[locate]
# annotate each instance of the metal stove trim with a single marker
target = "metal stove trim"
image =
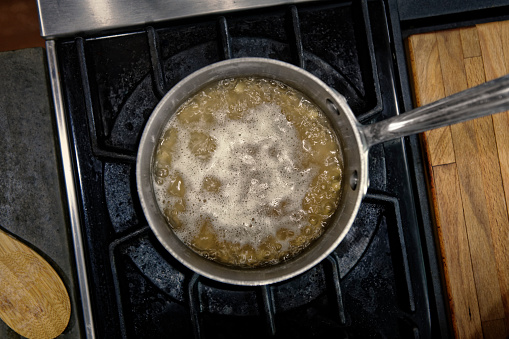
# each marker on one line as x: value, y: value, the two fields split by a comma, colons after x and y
x: 65, y: 18
x: 67, y: 166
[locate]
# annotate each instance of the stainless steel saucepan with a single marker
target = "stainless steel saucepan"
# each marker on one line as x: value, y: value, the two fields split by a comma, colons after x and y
x: 355, y: 139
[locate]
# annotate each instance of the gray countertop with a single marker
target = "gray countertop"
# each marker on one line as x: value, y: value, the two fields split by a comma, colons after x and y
x: 32, y: 205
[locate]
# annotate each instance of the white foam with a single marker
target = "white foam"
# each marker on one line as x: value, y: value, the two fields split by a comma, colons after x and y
x: 257, y: 160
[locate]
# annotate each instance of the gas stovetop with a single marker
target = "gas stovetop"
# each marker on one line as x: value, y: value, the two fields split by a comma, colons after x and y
x: 375, y: 284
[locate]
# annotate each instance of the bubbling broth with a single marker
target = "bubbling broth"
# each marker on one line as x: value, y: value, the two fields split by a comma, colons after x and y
x: 248, y: 172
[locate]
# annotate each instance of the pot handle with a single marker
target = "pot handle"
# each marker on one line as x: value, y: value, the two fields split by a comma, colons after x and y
x: 488, y: 98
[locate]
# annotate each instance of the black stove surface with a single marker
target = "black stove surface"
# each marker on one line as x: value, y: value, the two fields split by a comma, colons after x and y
x: 373, y: 285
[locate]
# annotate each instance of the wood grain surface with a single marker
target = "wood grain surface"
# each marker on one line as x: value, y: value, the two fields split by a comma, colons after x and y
x: 33, y: 299
x: 468, y: 167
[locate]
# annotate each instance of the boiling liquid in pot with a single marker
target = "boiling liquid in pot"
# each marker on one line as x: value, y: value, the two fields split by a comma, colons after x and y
x: 248, y: 172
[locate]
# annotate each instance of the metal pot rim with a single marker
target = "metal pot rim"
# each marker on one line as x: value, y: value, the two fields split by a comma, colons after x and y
x: 354, y: 179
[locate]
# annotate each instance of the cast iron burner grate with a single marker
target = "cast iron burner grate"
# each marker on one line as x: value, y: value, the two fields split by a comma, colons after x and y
x: 216, y: 308
x: 373, y: 285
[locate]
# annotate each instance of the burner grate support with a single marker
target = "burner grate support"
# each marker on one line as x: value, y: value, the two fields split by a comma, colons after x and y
x: 158, y: 82
x: 98, y: 151
x: 226, y: 40
x: 194, y: 304
x: 332, y: 265
x: 401, y: 248
x: 269, y: 309
x: 296, y: 38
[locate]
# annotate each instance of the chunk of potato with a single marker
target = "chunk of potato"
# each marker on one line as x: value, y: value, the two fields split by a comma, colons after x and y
x: 202, y: 145
x: 176, y: 187
x: 211, y: 184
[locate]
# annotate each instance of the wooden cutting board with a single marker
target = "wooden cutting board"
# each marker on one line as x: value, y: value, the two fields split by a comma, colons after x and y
x: 468, y: 173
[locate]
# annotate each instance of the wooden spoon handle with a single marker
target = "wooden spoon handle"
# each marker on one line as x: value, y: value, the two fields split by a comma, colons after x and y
x: 33, y: 299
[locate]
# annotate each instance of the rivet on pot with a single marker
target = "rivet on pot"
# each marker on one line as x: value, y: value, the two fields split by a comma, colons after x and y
x: 332, y: 106
x: 354, y: 179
